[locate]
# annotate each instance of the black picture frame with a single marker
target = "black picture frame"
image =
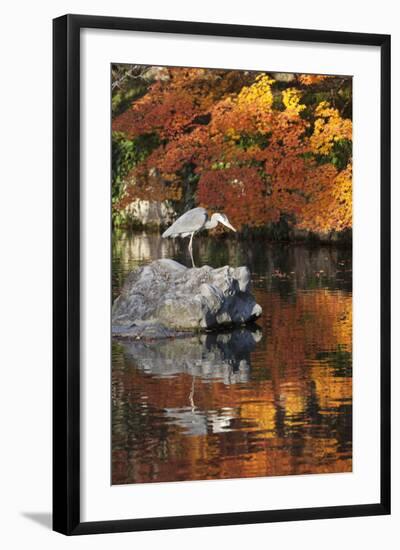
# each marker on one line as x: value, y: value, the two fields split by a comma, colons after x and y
x: 66, y: 273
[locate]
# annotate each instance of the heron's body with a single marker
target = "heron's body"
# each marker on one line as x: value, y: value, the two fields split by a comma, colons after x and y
x: 192, y: 222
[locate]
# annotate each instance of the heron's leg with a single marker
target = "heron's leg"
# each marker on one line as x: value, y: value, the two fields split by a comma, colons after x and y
x: 191, y: 249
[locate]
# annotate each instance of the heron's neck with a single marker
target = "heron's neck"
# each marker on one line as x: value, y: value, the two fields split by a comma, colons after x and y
x: 210, y: 224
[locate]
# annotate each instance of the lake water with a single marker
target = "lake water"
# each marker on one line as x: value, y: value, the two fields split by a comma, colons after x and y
x: 274, y: 399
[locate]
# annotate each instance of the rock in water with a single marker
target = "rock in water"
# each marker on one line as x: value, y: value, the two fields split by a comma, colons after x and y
x: 163, y: 298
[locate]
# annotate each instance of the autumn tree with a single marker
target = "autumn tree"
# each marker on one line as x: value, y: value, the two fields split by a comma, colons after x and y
x: 242, y: 142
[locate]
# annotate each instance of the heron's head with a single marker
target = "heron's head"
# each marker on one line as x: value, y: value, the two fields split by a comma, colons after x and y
x: 222, y: 218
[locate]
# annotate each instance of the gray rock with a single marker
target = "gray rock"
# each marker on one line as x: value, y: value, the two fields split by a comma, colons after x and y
x: 165, y: 298
x: 147, y: 213
x: 284, y: 77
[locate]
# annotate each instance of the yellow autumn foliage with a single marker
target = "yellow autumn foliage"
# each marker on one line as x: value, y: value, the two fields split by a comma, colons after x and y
x: 343, y: 198
x: 329, y: 127
x: 259, y: 93
x: 291, y: 99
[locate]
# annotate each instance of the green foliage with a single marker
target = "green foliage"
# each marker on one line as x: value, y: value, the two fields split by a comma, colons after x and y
x: 191, y: 180
x: 260, y: 140
x: 341, y: 153
x: 125, y: 155
x: 337, y: 93
x: 123, y: 98
x: 339, y: 156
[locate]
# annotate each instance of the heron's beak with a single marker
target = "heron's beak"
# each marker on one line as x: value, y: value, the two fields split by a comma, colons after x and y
x: 229, y: 225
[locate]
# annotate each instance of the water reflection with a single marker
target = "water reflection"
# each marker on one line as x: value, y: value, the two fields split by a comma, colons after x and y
x: 273, y: 401
x: 224, y: 356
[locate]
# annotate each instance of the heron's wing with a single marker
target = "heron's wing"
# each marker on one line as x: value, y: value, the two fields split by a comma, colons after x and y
x: 190, y: 221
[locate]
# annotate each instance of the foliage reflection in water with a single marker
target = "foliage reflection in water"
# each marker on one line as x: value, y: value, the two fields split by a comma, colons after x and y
x: 271, y: 400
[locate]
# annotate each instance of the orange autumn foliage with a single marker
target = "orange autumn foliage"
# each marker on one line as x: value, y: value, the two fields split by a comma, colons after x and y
x: 311, y: 79
x: 334, y: 198
x: 253, y: 158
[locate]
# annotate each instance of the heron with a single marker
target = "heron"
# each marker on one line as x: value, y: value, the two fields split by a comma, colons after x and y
x: 193, y: 221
